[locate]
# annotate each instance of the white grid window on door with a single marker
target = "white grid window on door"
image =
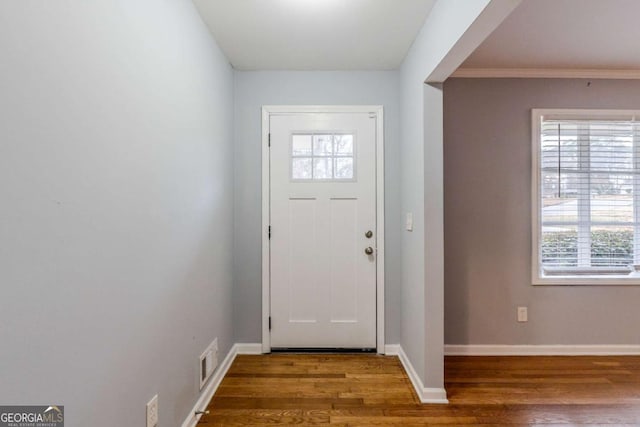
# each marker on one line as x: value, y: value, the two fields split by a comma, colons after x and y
x: 323, y: 157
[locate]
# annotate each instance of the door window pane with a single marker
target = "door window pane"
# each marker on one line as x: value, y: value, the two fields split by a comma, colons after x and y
x: 344, y: 168
x: 322, y: 145
x: 301, y: 168
x: 344, y: 145
x: 323, y: 157
x: 301, y: 145
x: 322, y: 168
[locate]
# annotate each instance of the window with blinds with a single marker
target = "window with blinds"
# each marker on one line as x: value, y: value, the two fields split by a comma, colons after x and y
x: 586, y: 196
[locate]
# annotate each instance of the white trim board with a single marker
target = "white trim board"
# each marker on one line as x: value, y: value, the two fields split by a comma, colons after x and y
x: 248, y: 348
x: 545, y: 73
x: 541, y: 350
x: 267, y: 111
x: 425, y: 394
x: 210, y: 389
x: 538, y: 117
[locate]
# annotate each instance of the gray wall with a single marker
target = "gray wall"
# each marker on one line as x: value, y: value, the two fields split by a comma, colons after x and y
x: 252, y: 91
x: 488, y: 219
x: 452, y: 30
x: 116, y: 210
x: 421, y: 148
x: 433, y: 236
x: 412, y: 75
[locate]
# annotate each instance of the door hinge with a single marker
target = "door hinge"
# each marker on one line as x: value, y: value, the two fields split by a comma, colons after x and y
x: 269, y: 322
x: 269, y: 232
x: 269, y: 141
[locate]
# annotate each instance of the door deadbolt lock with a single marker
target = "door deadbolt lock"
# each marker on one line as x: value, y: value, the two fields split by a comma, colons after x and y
x: 368, y: 234
x: 369, y: 251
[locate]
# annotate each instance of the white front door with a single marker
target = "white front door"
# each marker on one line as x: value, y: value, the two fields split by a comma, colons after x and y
x: 323, y: 230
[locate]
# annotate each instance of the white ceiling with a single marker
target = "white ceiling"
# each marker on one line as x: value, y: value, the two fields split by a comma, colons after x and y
x: 564, y: 34
x: 315, y: 34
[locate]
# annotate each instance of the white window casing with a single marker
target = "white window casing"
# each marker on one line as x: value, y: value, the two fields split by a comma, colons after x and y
x: 585, y: 197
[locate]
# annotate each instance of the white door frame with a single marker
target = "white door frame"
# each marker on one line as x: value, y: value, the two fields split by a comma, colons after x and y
x: 269, y: 110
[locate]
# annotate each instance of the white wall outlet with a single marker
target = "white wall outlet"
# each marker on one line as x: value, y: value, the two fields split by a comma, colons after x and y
x: 523, y: 316
x: 409, y: 222
x: 152, y: 412
x: 208, y: 362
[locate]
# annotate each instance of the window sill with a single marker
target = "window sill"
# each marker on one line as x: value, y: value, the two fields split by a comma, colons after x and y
x: 588, y: 280
x: 589, y: 276
x: 586, y: 271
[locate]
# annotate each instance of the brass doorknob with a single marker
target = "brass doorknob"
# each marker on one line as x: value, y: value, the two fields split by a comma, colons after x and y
x: 369, y: 251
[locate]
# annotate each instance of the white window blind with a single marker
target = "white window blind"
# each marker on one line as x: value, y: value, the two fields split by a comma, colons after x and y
x: 588, y: 206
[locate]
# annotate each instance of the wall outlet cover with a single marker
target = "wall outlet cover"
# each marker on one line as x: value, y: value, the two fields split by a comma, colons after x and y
x: 523, y: 315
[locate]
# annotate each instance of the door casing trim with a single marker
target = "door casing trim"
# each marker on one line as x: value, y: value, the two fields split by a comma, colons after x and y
x: 267, y: 112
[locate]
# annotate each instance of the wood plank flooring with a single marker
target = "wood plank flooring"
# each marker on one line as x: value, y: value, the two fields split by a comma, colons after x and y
x: 370, y: 390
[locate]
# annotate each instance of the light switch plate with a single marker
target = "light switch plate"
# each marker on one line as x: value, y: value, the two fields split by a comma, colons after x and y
x: 409, y: 222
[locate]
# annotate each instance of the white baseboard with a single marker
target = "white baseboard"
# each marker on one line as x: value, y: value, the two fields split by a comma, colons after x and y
x: 425, y: 394
x: 248, y: 348
x: 216, y: 379
x: 540, y: 350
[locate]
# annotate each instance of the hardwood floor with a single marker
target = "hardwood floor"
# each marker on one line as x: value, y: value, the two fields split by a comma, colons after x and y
x: 371, y: 390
